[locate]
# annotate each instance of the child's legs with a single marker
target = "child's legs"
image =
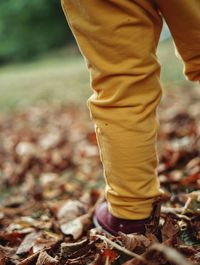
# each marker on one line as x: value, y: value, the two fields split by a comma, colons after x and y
x: 183, y: 19
x: 118, y: 40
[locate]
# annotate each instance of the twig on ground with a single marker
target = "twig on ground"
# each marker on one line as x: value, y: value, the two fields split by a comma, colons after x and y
x: 186, y: 205
x: 120, y: 248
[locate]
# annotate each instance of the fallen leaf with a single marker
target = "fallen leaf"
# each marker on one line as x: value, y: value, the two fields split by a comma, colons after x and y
x: 26, y: 149
x: 46, y: 240
x: 70, y: 210
x: 68, y: 248
x: 7, y: 253
x: 76, y: 227
x: 83, y: 251
x: 167, y: 253
x: 170, y: 229
x: 45, y: 259
x: 110, y: 254
x: 133, y: 241
x: 27, y: 243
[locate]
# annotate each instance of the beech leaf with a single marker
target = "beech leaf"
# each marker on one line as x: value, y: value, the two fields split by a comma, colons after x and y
x: 27, y: 243
x: 133, y: 241
x: 45, y: 259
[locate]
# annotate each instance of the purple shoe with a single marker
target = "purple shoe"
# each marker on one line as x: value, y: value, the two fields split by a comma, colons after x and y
x: 112, y: 225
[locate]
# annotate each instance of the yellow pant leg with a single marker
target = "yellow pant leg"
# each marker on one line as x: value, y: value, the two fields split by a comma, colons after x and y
x: 118, y: 40
x: 183, y: 19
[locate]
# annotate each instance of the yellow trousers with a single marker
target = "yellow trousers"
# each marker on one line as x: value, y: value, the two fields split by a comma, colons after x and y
x: 118, y: 39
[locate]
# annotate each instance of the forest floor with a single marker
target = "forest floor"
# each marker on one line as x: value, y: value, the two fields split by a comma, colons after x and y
x: 51, y: 182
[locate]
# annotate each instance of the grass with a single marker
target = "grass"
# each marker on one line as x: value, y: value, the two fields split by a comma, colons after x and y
x: 60, y: 77
x: 171, y: 66
x: 63, y: 77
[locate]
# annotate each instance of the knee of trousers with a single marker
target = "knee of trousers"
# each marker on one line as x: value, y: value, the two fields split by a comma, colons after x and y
x: 125, y: 94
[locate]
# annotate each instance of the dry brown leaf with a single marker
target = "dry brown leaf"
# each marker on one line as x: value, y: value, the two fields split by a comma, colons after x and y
x: 13, y: 237
x: 45, y: 240
x: 152, y: 238
x: 27, y: 243
x: 133, y: 241
x: 7, y: 252
x: 195, y: 223
x: 30, y: 259
x: 194, y: 205
x: 169, y: 253
x: 110, y: 255
x: 67, y: 248
x: 188, y: 250
x: 152, y: 226
x: 83, y: 251
x: 76, y: 227
x: 196, y: 258
x: 170, y: 229
x: 14, y: 201
x: 2, y: 260
x: 45, y: 259
x: 70, y: 210
x: 135, y: 262
x: 86, y: 199
x: 48, y: 178
x: 51, y: 140
x: 26, y: 149
x: 27, y: 222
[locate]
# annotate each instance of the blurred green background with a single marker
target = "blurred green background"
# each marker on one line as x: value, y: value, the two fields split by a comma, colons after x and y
x: 30, y: 28
x: 39, y: 60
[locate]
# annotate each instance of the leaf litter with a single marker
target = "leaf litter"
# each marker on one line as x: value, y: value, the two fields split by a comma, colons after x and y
x: 51, y: 181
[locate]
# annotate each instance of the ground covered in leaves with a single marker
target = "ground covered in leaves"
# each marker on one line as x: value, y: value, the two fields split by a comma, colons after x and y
x: 51, y: 181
